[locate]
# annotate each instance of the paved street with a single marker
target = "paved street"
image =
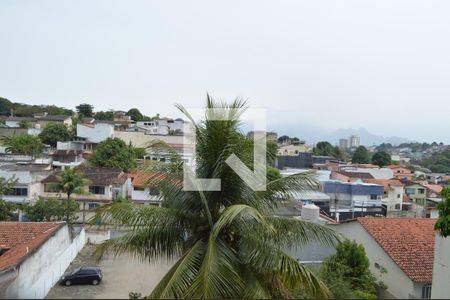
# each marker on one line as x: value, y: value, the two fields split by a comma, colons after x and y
x: 121, y: 275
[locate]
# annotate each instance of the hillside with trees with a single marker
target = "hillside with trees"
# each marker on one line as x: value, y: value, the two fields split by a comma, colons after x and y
x: 26, y: 110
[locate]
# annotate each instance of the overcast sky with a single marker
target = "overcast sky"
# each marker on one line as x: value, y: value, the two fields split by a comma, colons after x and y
x: 381, y: 65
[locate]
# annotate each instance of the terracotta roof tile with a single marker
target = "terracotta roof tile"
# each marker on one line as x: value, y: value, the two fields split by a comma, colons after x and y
x: 386, y: 183
x: 408, y: 241
x: 20, y: 238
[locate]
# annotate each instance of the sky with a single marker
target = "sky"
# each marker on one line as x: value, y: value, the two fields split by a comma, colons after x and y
x: 382, y: 65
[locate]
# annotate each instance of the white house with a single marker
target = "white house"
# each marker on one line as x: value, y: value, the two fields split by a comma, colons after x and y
x: 28, y: 186
x: 95, y: 133
x: 33, y: 257
x: 393, y: 193
x: 377, y: 173
x: 140, y: 190
x: 400, y: 250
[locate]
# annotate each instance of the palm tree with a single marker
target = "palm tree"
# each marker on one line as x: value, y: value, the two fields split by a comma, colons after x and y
x: 71, y: 181
x: 227, y: 244
x: 22, y: 144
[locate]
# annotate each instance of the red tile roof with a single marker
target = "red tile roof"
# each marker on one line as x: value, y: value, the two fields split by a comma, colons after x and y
x: 386, y: 183
x: 21, y: 238
x: 434, y: 187
x: 408, y: 241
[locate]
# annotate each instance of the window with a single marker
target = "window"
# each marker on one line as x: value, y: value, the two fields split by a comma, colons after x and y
x: 373, y: 197
x: 93, y: 205
x: 410, y: 191
x: 139, y: 188
x: 398, y: 196
x: 153, y: 191
x: 18, y: 192
x: 426, y: 291
x: 397, y: 206
x: 98, y: 190
x: 421, y: 191
x: 51, y: 188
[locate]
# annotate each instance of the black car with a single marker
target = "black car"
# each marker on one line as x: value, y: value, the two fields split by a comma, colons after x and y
x: 84, y: 275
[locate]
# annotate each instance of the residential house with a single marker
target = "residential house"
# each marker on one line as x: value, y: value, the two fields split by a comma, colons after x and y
x: 401, y: 173
x: 436, y: 178
x: 34, y: 256
x: 393, y: 193
x: 319, y: 199
x: 93, y: 134
x: 375, y: 171
x: 350, y: 176
x: 416, y: 192
x: 29, y: 177
x: 39, y: 120
x: 400, y: 251
x: 353, y: 199
x: 141, y: 190
x: 67, y: 158
x: 105, y: 185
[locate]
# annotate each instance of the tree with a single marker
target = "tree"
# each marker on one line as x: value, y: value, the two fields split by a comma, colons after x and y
x: 22, y: 144
x: 53, y: 133
x: 438, y: 162
x: 326, y: 149
x: 8, y: 210
x: 104, y: 115
x: 347, y: 272
x: 443, y: 222
x: 381, y: 159
x: 283, y: 138
x: 361, y: 156
x: 272, y: 150
x: 24, y: 124
x: 114, y: 153
x: 51, y: 210
x: 135, y: 114
x: 71, y: 181
x: 85, y: 109
x: 227, y: 243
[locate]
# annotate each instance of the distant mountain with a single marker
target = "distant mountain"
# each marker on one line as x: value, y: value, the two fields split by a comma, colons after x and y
x: 314, y: 134
x: 367, y: 138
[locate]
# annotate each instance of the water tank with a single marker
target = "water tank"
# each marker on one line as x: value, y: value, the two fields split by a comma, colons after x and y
x: 310, y: 212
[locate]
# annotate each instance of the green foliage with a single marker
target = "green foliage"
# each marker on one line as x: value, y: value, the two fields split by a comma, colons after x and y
x: 438, y: 162
x: 272, y: 150
x: 134, y: 295
x: 25, y: 110
x: 104, y: 115
x: 381, y: 159
x: 24, y: 124
x: 326, y: 149
x: 283, y: 138
x: 114, y: 153
x: 71, y: 181
x: 53, y: 133
x: 86, y: 110
x: 51, y: 210
x: 227, y: 244
x: 135, y: 114
x: 139, y: 152
x: 8, y: 211
x: 443, y: 222
x: 22, y: 144
x: 361, y: 156
x: 347, y: 272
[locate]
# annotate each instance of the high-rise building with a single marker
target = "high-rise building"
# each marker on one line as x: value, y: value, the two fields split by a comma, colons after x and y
x: 355, y: 141
x: 343, y: 143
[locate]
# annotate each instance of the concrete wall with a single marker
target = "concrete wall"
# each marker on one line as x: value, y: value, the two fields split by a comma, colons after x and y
x: 399, y: 285
x: 42, y: 270
x: 441, y: 268
x: 142, y: 140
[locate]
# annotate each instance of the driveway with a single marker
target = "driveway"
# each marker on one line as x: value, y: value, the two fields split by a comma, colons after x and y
x: 121, y: 275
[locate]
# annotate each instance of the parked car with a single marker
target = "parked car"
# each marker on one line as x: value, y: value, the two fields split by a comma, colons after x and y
x: 83, y: 275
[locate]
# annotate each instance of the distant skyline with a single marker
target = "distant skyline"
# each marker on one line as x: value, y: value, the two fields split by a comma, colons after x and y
x: 315, y: 65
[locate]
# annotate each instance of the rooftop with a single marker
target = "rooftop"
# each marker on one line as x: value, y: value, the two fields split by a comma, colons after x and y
x: 386, y: 183
x: 408, y: 241
x: 20, y: 238
x: 361, y: 175
x: 96, y: 176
